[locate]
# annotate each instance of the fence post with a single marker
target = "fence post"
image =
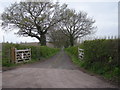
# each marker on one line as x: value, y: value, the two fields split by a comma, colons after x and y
x: 13, y: 55
x: 30, y: 53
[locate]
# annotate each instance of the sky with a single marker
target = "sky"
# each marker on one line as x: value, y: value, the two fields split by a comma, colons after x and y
x: 104, y: 12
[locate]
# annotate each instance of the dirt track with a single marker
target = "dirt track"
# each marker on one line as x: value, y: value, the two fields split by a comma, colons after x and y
x: 56, y: 72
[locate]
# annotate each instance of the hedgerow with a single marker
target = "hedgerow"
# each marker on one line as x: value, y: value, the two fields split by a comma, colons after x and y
x: 100, y: 56
x: 37, y: 52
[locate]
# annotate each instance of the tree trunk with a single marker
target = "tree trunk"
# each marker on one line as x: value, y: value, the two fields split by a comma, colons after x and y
x: 43, y: 40
x: 71, y: 41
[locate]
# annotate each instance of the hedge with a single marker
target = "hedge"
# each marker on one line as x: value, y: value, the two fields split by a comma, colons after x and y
x: 37, y: 52
x: 101, y: 57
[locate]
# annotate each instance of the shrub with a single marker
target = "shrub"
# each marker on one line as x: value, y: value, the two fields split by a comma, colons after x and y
x: 102, y: 51
x: 101, y: 57
x: 73, y: 51
x: 37, y: 52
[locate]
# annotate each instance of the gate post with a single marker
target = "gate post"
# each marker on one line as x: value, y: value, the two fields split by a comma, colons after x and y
x: 13, y: 55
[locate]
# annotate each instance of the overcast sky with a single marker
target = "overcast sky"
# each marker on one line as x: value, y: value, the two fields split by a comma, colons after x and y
x: 105, y: 12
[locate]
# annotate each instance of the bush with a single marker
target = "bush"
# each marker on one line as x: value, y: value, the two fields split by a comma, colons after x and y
x: 73, y: 51
x: 100, y: 56
x: 37, y: 52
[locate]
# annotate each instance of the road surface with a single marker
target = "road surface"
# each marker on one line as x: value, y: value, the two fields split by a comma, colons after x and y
x: 56, y: 72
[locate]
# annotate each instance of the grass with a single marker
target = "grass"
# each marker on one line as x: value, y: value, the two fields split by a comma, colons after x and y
x: 75, y: 60
x: 96, y: 70
x: 38, y: 53
x: 97, y: 61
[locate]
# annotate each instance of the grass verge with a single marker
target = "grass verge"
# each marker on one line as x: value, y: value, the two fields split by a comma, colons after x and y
x: 37, y: 53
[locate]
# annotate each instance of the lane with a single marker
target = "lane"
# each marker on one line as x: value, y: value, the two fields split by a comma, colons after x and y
x: 59, y: 61
x: 50, y: 78
x: 56, y: 72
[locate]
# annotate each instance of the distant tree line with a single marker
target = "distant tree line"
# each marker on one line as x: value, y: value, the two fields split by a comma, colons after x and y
x: 46, y: 19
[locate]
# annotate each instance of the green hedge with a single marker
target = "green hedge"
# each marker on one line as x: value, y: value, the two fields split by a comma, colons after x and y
x: 73, y: 53
x: 103, y: 51
x: 101, y: 57
x: 37, y: 52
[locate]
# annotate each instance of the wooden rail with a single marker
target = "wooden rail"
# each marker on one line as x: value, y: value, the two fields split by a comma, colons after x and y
x: 80, y: 53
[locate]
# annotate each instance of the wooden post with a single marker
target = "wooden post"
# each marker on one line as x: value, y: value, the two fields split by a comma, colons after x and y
x: 30, y: 53
x: 13, y: 55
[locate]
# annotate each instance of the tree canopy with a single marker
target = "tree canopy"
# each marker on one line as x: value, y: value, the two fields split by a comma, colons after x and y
x: 36, y: 19
x: 76, y: 25
x: 33, y: 18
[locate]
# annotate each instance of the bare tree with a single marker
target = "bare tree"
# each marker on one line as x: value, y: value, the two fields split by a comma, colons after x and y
x: 76, y: 25
x: 33, y: 19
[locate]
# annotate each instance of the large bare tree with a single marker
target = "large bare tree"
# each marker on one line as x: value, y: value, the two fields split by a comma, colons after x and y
x: 33, y: 19
x: 76, y: 25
